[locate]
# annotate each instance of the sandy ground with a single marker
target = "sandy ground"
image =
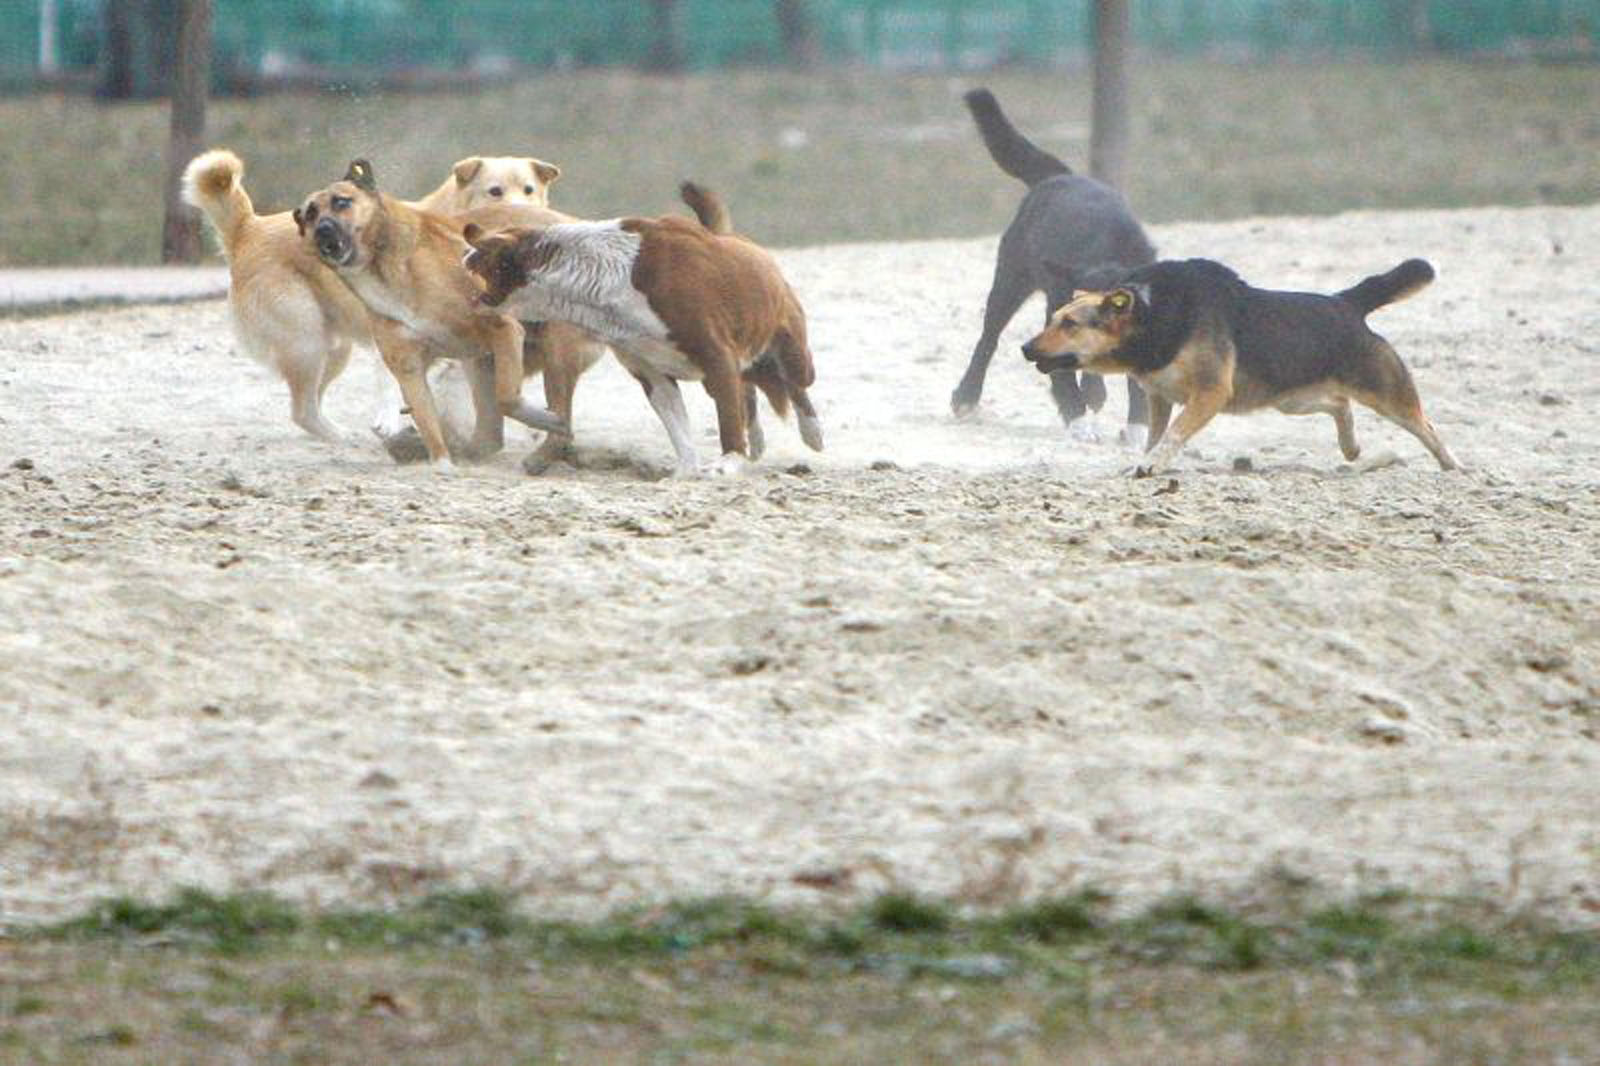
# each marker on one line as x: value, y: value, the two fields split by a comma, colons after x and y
x: 967, y: 659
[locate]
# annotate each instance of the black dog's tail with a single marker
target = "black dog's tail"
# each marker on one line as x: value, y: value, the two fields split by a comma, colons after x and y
x: 1015, y: 154
x: 1404, y: 280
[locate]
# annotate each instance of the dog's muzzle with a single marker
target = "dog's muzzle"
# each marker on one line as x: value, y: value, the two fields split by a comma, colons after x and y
x: 333, y: 243
x: 1048, y: 364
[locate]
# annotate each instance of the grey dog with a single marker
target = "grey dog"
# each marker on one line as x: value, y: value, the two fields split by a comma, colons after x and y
x: 1070, y: 233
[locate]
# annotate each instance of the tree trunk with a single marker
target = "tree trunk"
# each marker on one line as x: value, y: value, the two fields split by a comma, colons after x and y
x: 135, y: 46
x: 1108, y: 139
x: 798, y: 29
x: 180, y: 236
x: 666, y: 43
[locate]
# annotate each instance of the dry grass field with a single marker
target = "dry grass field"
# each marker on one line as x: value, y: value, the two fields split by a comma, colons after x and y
x: 845, y: 156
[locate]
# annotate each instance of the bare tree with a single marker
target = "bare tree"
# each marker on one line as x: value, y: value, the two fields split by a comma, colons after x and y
x: 191, y: 74
x: 797, y: 27
x: 1108, y: 138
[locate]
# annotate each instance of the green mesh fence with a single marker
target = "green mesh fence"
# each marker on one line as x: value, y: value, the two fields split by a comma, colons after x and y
x: 280, y: 36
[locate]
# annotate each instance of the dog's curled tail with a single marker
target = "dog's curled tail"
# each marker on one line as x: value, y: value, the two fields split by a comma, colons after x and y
x: 707, y: 207
x: 213, y: 182
x: 1404, y: 280
x: 1014, y: 153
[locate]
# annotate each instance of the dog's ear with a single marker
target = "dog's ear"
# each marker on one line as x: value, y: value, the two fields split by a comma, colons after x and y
x: 1119, y: 302
x: 1141, y: 293
x: 471, y: 233
x: 299, y: 221
x: 467, y: 169
x: 360, y: 175
x: 547, y: 172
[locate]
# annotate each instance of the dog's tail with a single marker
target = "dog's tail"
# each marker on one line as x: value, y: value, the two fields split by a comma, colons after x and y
x: 1014, y: 153
x: 707, y: 207
x: 213, y: 182
x: 1404, y: 280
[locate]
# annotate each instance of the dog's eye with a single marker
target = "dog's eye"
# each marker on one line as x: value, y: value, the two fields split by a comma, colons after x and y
x: 527, y: 190
x: 1119, y: 301
x: 496, y: 191
x: 341, y: 203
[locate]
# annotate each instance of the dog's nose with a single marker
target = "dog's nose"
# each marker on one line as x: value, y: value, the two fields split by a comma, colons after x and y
x: 1030, y: 353
x: 326, y: 228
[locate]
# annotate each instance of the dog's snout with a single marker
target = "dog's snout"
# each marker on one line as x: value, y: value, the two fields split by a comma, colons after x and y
x: 327, y: 227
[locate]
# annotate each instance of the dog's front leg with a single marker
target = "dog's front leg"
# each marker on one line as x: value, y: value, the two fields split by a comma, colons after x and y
x: 504, y: 338
x: 1160, y: 411
x: 406, y: 359
x: 667, y: 401
x: 1202, y: 406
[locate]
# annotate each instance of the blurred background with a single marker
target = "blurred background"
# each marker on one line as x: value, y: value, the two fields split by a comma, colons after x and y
x: 821, y: 120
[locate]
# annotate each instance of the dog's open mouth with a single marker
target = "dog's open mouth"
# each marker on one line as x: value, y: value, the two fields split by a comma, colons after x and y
x: 334, y: 245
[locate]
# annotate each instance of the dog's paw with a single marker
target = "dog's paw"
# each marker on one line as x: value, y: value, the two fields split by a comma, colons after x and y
x: 811, y: 432
x: 963, y: 405
x: 729, y: 464
x: 405, y: 447
x: 1143, y: 470
x: 540, y: 460
x: 1134, y: 436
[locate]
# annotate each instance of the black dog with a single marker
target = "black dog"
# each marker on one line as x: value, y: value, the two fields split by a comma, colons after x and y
x: 1070, y: 233
x: 1195, y: 334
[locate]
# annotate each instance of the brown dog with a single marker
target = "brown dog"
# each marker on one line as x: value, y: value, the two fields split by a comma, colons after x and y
x: 292, y: 313
x: 404, y: 265
x: 676, y: 300
x: 1194, y: 333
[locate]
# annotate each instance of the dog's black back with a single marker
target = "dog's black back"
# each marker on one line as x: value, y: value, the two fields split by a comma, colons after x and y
x: 1070, y: 232
x: 1281, y: 340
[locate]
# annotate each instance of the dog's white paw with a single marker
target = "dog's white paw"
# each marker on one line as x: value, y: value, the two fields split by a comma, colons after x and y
x: 1085, y: 431
x: 1134, y: 436
x: 730, y: 464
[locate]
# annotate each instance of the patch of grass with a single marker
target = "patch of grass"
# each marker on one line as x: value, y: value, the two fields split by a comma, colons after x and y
x: 225, y: 923
x: 899, y: 912
x: 848, y: 155
x: 899, y: 978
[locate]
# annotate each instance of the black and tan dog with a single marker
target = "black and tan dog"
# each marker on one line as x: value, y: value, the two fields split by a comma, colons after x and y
x: 404, y: 265
x: 1194, y: 333
x: 1070, y: 232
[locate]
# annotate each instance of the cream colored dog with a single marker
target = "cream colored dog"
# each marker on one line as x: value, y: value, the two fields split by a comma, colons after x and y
x: 294, y: 314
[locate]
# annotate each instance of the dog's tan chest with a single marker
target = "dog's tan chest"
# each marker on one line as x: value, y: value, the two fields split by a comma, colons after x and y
x: 384, y: 302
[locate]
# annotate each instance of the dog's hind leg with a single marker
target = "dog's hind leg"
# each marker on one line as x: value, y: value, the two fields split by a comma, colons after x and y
x: 1006, y: 295
x: 1382, y: 382
x: 488, y: 425
x: 752, y: 423
x: 306, y: 380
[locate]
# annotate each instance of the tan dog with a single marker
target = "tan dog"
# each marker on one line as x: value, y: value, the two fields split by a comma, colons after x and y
x: 293, y: 314
x: 405, y: 266
x: 677, y: 300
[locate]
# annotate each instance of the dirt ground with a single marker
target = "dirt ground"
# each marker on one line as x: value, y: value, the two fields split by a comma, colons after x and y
x: 967, y: 659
